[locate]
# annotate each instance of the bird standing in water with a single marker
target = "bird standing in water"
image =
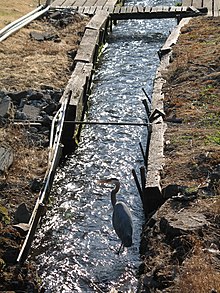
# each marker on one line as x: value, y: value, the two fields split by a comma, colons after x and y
x: 121, y: 218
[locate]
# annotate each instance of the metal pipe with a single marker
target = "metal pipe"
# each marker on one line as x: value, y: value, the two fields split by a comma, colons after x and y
x: 10, y: 25
x: 107, y: 123
x: 22, y: 23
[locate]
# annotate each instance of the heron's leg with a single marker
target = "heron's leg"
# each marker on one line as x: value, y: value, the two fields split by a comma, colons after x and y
x: 121, y: 247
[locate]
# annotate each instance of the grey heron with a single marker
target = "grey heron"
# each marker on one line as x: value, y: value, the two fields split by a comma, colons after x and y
x: 121, y: 218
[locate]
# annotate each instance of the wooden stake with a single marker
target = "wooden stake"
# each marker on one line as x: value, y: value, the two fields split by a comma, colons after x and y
x: 137, y: 184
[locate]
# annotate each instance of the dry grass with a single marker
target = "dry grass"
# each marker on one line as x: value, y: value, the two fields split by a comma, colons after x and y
x: 29, y: 162
x: 192, y: 93
x: 198, y: 274
x: 27, y: 63
x: 10, y: 10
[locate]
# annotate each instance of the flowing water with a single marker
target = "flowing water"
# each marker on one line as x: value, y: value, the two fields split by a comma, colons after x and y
x: 76, y: 246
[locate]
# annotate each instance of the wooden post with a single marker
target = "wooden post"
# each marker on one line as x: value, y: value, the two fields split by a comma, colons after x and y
x: 137, y: 184
x: 143, y: 177
x: 142, y: 151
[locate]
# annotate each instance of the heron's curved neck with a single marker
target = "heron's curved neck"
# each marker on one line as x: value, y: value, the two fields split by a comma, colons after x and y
x: 113, y: 193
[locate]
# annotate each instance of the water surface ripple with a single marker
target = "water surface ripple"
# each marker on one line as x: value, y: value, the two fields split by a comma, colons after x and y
x: 76, y: 246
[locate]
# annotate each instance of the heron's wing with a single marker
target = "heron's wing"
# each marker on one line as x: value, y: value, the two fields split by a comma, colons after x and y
x: 122, y: 223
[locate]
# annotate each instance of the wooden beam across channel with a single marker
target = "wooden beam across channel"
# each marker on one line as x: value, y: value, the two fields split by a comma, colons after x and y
x: 135, y: 12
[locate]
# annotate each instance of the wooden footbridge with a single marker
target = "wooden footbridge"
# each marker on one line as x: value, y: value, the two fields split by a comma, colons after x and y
x: 188, y: 8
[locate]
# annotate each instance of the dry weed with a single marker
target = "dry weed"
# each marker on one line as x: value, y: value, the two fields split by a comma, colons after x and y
x: 198, y: 274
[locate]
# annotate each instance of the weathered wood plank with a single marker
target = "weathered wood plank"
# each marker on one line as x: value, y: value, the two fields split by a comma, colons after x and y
x: 92, y: 10
x: 172, y: 38
x: 86, y: 10
x: 140, y: 8
x: 90, y: 3
x: 134, y: 9
x: 197, y: 3
x: 79, y: 3
x: 110, y: 3
x: 101, y: 3
x: 216, y: 8
x: 117, y: 9
x: 87, y: 47
x: 123, y: 9
x: 152, y: 193
x: 57, y: 3
x: 129, y: 9
x: 98, y: 21
x: 147, y: 9
x: 187, y: 2
x: 68, y: 3
x: 165, y: 8
x: 208, y: 4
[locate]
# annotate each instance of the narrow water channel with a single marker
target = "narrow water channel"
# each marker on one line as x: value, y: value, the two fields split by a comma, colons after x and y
x: 76, y: 246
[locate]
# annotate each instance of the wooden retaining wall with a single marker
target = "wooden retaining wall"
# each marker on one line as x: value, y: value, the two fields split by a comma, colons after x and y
x: 152, y: 196
x: 73, y: 105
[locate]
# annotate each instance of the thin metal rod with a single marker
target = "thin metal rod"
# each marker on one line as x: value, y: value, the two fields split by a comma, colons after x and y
x: 107, y: 123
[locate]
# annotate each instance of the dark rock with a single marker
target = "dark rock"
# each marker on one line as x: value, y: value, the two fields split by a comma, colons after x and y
x: 176, y: 223
x: 72, y: 54
x: 6, y: 157
x: 17, y: 96
x: 20, y: 115
x: 46, y: 87
x: 36, y: 185
x: 47, y: 120
x: 56, y: 15
x: 35, y: 95
x: 170, y: 191
x: 50, y: 109
x: 10, y: 255
x: 6, y: 107
x: 56, y: 95
x: 37, y: 36
x: 51, y: 37
x: 31, y: 112
x: 22, y: 215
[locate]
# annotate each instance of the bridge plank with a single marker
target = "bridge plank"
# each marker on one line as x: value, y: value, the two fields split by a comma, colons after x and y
x: 147, y: 9
x: 98, y: 21
x: 187, y: 2
x: 129, y: 9
x: 87, y: 47
x: 217, y: 8
x: 68, y: 3
x: 101, y: 3
x: 57, y: 3
x: 110, y: 3
x: 140, y: 8
x: 197, y: 3
x: 208, y: 4
x: 134, y: 9
x: 90, y: 3
x: 123, y: 9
